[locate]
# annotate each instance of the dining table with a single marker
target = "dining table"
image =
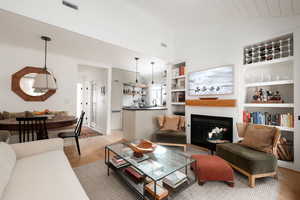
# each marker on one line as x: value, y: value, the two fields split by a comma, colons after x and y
x: 53, y: 123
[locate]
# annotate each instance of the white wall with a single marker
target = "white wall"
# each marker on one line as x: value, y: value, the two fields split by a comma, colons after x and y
x: 116, y: 21
x: 14, y: 58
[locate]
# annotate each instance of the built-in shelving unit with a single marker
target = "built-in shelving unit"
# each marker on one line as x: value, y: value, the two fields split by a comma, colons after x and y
x: 271, y: 50
x: 177, y: 86
x: 269, y: 67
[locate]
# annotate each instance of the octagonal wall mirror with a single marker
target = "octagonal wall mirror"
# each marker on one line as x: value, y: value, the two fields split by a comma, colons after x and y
x: 22, y: 85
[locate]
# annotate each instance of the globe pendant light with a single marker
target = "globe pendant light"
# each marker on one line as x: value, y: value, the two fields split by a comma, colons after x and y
x: 45, y: 81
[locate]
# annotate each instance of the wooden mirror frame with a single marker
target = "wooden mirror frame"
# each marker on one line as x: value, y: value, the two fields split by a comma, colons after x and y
x: 16, y: 88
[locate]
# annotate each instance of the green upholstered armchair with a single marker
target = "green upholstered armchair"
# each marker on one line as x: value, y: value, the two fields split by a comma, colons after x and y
x: 170, y: 137
x: 249, y: 161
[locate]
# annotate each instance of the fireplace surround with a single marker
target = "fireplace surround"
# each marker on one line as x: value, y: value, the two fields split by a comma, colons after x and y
x: 202, y: 125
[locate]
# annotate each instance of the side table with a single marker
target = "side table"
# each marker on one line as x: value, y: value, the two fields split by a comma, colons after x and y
x: 213, y: 144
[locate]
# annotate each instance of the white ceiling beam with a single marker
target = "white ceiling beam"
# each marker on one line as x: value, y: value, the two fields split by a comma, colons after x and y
x: 263, y: 8
x: 274, y: 7
x: 296, y: 6
x: 286, y: 7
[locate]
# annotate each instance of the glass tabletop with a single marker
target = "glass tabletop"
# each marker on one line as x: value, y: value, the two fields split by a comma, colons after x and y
x: 156, y: 165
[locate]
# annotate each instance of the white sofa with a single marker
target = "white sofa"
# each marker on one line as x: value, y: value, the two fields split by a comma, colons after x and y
x: 37, y: 170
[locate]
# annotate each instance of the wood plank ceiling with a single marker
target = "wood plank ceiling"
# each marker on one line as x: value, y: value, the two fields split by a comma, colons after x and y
x: 265, y: 8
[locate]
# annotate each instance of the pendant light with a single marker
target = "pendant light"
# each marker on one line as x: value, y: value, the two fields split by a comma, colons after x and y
x: 45, y: 81
x: 152, y: 63
x: 136, y: 70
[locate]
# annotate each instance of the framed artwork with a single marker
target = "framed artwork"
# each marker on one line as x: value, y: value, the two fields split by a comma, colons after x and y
x: 214, y: 81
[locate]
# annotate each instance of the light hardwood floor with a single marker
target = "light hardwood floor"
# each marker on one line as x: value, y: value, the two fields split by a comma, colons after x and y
x: 92, y: 149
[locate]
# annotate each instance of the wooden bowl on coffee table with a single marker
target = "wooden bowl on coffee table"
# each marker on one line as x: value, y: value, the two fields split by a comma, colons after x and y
x: 145, y: 146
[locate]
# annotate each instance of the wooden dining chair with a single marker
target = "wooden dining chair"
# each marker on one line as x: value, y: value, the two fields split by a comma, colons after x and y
x: 32, y: 128
x: 76, y: 133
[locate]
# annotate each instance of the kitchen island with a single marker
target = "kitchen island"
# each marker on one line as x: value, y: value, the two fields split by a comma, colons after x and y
x: 141, y: 123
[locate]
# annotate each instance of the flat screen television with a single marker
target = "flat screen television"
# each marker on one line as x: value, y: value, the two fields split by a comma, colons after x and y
x: 210, y: 82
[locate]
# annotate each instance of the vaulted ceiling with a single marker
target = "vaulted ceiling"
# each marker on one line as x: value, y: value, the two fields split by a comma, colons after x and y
x: 183, y: 12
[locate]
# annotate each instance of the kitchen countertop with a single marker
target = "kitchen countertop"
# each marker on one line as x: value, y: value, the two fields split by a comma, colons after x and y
x: 146, y: 108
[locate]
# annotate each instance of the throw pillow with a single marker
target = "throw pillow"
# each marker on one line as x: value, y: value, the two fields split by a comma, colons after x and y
x: 161, y: 120
x: 171, y: 123
x: 7, y: 164
x: 241, y: 128
x: 259, y: 137
x: 181, y: 123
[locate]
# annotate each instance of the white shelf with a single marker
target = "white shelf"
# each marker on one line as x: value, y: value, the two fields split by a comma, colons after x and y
x: 282, y: 128
x: 270, y: 83
x: 275, y: 61
x: 179, y: 77
x: 269, y: 105
x: 178, y: 90
x: 178, y: 103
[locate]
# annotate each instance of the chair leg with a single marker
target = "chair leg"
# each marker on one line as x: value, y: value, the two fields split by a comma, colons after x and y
x: 77, y: 144
x: 251, y: 181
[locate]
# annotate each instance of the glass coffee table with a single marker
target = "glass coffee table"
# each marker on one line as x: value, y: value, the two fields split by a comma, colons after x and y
x: 154, y: 167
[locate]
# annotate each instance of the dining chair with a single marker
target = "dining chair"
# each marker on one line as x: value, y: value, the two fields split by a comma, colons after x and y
x: 76, y: 133
x: 32, y: 128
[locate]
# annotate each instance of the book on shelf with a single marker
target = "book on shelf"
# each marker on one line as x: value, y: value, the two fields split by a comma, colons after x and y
x: 161, y: 192
x: 175, y: 179
x: 179, y: 71
x: 118, y: 162
x: 134, y: 174
x: 267, y: 118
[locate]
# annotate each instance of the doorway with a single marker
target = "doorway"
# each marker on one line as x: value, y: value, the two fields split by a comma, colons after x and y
x: 92, y: 97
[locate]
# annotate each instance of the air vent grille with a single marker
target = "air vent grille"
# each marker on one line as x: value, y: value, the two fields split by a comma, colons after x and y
x: 70, y: 5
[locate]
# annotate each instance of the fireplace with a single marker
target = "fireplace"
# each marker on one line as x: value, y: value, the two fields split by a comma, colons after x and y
x: 202, y: 125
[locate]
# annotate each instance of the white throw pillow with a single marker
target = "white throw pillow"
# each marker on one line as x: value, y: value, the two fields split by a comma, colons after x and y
x: 7, y: 164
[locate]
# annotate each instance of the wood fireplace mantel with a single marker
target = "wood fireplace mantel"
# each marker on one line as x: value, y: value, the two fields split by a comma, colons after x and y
x: 211, y: 103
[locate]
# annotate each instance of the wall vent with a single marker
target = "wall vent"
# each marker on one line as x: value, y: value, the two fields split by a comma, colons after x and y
x: 70, y: 5
x: 163, y: 45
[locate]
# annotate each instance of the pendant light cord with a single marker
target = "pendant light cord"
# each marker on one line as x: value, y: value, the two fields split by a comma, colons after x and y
x: 152, y: 63
x: 45, y: 66
x: 136, y: 69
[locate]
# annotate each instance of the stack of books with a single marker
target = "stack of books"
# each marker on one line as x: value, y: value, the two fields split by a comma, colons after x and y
x: 266, y: 118
x: 175, y: 179
x: 118, y: 162
x: 161, y: 192
x: 134, y: 174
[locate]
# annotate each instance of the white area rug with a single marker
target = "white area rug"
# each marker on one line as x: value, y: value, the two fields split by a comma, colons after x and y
x: 99, y: 186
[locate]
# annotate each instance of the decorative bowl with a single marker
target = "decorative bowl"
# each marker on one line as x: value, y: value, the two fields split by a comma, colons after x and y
x: 145, y: 146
